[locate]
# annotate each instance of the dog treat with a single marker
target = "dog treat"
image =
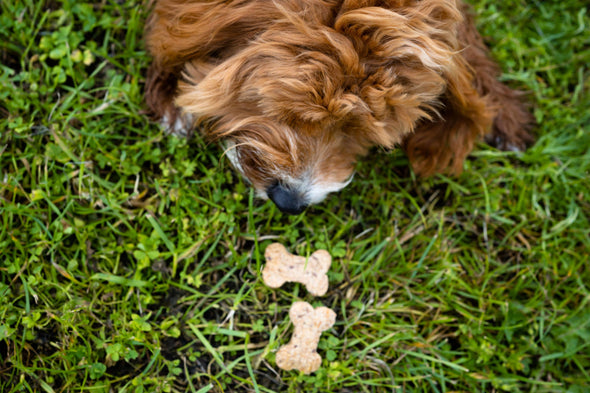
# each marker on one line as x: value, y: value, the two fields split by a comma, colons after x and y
x: 300, y: 353
x: 281, y: 267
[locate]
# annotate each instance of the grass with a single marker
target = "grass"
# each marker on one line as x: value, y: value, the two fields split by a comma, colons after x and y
x: 130, y: 259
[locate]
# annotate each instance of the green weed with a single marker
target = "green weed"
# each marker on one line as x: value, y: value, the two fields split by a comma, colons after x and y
x: 130, y: 259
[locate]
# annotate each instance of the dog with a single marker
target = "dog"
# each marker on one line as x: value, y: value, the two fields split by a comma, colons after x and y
x: 298, y: 90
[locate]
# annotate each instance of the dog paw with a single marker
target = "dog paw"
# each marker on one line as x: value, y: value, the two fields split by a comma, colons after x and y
x: 177, y: 124
x: 512, y: 125
x: 500, y: 142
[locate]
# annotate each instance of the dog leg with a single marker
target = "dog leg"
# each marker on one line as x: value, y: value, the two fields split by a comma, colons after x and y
x: 475, y: 105
x: 441, y: 144
x: 512, y: 120
x: 160, y: 91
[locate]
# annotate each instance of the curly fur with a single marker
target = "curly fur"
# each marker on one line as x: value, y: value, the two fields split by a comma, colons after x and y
x: 299, y: 89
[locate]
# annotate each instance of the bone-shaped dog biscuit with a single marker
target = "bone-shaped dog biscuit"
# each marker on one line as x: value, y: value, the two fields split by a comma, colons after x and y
x: 301, y: 352
x: 281, y: 267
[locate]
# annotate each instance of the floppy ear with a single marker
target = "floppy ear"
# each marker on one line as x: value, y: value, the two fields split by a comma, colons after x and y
x: 201, y: 33
x: 406, y: 51
x: 178, y: 31
x: 476, y: 104
x: 421, y: 88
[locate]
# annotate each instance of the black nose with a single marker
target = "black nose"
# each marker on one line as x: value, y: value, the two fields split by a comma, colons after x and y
x: 287, y: 200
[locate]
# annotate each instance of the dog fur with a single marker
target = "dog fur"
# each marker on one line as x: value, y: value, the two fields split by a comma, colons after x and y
x: 299, y: 89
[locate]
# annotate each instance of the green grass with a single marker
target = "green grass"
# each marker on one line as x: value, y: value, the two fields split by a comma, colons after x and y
x: 130, y: 259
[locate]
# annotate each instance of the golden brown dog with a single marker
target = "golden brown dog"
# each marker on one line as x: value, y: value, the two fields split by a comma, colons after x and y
x: 299, y: 89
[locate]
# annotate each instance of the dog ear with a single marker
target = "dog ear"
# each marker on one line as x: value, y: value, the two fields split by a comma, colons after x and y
x: 405, y: 52
x: 474, y: 100
x: 420, y: 89
x: 178, y: 30
x: 199, y: 34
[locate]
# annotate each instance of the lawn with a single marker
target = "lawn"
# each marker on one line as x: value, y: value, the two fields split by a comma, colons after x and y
x: 130, y: 260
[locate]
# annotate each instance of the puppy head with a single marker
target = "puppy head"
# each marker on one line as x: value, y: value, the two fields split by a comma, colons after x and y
x: 285, y: 120
x: 298, y: 105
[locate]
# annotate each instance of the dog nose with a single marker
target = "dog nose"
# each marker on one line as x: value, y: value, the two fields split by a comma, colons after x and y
x: 287, y: 200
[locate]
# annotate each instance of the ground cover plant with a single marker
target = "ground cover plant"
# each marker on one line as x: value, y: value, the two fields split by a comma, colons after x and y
x: 130, y: 260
